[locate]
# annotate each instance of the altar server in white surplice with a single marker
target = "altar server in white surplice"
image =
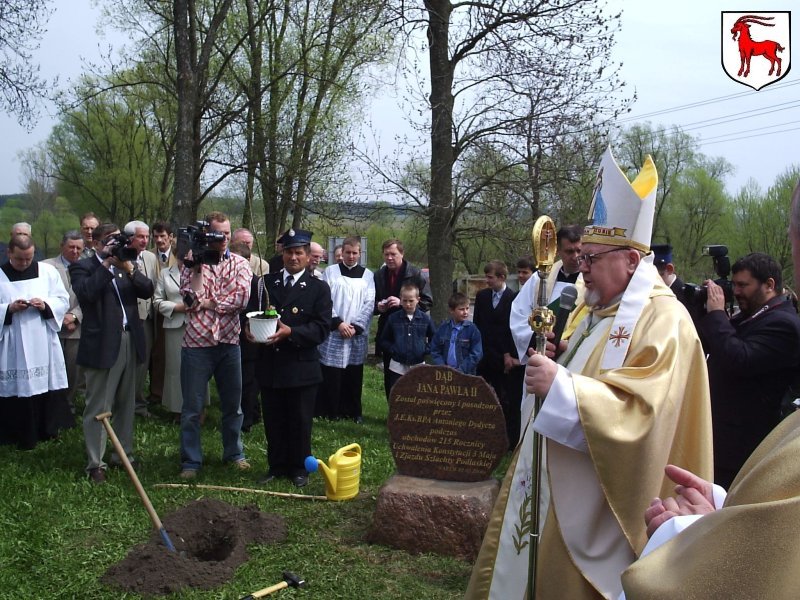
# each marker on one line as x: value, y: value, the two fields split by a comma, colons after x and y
x: 33, y: 376
x: 343, y: 353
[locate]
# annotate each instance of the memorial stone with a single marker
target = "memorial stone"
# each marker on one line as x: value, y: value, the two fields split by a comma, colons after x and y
x: 445, y: 425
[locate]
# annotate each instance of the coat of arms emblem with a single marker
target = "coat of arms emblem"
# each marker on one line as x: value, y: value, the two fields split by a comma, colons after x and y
x: 756, y: 47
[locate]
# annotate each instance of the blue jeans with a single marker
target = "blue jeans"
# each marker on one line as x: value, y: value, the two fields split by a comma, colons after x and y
x: 223, y: 361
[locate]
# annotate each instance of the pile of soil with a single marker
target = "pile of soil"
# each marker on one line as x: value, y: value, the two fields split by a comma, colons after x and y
x: 211, y: 539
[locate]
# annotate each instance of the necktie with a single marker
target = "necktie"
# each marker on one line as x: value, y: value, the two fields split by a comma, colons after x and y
x: 163, y: 257
x: 452, y: 360
x: 495, y: 299
x: 289, y: 282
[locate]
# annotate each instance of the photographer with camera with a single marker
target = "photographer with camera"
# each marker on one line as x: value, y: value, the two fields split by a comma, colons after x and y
x: 112, y: 339
x: 216, y: 287
x: 752, y: 358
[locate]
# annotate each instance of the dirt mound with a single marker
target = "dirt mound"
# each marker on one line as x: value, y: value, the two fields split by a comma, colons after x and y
x: 211, y: 539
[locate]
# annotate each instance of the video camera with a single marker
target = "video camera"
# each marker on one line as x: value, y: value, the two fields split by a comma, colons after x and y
x: 697, y: 295
x: 121, y: 248
x: 197, y: 238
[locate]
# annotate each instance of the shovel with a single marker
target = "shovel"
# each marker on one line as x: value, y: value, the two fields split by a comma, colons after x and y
x: 103, y: 417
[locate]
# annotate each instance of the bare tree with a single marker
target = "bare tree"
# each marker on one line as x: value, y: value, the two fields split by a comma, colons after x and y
x: 314, y: 56
x: 22, y: 25
x: 492, y: 68
x: 196, y: 43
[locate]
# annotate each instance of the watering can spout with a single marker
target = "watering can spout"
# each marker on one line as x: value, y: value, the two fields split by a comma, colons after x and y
x: 329, y: 475
x: 343, y: 474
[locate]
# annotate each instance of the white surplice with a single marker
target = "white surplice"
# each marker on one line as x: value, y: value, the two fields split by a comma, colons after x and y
x: 31, y: 359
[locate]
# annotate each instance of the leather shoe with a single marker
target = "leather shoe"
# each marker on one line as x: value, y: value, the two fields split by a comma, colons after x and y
x: 97, y: 475
x: 300, y: 480
x: 270, y: 476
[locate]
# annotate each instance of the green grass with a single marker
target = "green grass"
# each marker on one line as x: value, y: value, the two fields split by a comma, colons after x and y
x: 60, y: 532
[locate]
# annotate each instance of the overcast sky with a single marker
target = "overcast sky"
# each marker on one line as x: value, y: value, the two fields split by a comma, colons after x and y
x: 671, y: 56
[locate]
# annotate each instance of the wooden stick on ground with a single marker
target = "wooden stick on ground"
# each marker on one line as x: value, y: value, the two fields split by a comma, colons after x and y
x: 222, y: 488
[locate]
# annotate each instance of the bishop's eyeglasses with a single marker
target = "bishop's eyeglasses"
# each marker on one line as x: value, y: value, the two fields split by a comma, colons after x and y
x: 589, y: 258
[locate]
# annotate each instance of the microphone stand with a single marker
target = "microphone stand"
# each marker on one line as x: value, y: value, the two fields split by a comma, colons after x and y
x: 541, y: 322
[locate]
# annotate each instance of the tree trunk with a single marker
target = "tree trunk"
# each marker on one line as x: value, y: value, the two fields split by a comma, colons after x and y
x: 182, y: 210
x: 440, y: 226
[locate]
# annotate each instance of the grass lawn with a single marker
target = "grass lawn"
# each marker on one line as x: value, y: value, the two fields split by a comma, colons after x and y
x: 60, y: 532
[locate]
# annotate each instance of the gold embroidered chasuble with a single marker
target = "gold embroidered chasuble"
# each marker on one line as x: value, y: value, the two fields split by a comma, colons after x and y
x: 748, y: 549
x: 635, y: 418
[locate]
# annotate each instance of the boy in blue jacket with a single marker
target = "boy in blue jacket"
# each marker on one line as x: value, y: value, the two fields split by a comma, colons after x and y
x: 457, y: 342
x: 407, y: 335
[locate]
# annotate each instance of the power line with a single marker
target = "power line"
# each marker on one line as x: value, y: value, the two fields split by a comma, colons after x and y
x: 724, y: 135
x: 732, y: 117
x: 746, y: 137
x: 777, y: 86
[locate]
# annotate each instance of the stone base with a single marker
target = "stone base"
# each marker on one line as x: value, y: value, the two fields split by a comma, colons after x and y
x: 430, y: 515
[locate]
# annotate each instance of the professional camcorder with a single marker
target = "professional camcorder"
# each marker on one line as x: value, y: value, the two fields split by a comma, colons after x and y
x: 121, y: 249
x: 697, y: 295
x: 197, y: 238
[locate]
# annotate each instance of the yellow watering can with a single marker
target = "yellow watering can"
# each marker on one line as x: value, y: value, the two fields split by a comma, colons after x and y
x: 343, y: 474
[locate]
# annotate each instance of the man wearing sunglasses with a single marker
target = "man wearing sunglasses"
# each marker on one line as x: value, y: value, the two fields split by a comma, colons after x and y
x: 628, y: 395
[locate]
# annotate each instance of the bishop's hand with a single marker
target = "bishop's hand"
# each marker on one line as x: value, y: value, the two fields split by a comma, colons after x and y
x: 540, y: 372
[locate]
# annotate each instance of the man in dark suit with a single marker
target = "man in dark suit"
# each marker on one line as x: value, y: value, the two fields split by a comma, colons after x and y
x: 112, y: 343
x: 753, y: 358
x: 289, y: 364
x: 491, y: 316
x: 393, y: 275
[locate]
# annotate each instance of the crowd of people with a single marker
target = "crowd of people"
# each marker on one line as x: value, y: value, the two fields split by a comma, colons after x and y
x: 130, y: 327
x: 649, y: 387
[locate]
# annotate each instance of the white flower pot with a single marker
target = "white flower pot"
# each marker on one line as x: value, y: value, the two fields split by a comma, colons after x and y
x: 261, y: 328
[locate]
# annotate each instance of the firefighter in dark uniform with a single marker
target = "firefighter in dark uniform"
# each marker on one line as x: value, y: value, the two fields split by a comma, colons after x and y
x: 288, y: 367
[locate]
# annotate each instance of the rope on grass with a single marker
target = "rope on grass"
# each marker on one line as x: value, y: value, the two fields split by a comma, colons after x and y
x: 222, y: 488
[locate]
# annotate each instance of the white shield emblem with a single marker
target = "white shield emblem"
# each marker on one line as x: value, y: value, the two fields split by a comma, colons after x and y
x: 756, y: 46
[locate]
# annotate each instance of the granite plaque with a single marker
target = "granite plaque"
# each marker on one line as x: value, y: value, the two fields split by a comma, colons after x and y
x: 445, y: 425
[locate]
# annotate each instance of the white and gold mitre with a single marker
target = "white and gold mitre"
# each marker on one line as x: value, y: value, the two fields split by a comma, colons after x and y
x: 621, y: 212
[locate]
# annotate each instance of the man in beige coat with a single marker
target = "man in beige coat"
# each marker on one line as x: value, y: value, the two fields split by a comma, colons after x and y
x: 146, y: 264
x: 70, y: 333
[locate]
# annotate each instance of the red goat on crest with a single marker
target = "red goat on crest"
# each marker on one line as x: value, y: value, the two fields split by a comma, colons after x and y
x: 749, y: 48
